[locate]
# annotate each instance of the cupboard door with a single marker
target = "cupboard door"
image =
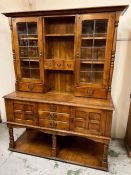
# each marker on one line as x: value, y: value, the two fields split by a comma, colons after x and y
x: 28, y: 48
x: 89, y: 121
x: 24, y: 113
x: 94, y: 54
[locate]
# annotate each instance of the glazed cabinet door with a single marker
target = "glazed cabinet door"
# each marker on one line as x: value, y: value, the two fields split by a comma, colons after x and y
x: 27, y: 34
x: 93, y: 54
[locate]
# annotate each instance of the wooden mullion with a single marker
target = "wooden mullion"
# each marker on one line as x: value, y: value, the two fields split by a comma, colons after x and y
x: 40, y: 46
x: 77, y: 49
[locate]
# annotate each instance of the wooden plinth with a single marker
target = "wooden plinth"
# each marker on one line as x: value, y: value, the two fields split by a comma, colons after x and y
x: 70, y: 149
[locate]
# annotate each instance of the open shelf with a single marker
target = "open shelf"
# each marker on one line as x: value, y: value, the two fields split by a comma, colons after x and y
x: 29, y: 38
x: 60, y: 81
x: 91, y: 37
x: 59, y: 47
x: 59, y: 35
x: 59, y: 25
x: 31, y: 60
x: 92, y: 62
x: 34, y: 142
x: 85, y: 152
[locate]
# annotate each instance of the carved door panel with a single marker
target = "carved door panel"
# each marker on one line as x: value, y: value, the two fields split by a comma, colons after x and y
x: 89, y: 121
x: 25, y: 113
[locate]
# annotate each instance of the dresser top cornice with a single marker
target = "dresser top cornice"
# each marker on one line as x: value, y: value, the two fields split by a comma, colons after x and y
x: 67, y: 11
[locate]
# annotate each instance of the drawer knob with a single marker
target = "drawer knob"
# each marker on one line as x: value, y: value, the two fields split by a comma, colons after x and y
x: 77, y: 55
x: 69, y: 65
x: 52, y: 116
x: 40, y: 54
x: 58, y: 65
x: 31, y: 87
x: 90, y: 92
x: 71, y: 119
x: 53, y: 108
x: 53, y: 125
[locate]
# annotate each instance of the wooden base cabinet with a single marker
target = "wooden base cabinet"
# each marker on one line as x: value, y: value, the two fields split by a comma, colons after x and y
x: 63, y: 62
x: 73, y: 131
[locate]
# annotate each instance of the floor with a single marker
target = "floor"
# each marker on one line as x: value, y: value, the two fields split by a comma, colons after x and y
x: 19, y: 164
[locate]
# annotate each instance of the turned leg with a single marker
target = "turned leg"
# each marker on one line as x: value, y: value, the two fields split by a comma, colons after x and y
x: 105, y: 154
x: 11, y: 138
x: 54, y: 145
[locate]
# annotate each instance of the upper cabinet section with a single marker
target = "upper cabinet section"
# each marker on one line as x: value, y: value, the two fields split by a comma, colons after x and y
x: 68, y: 51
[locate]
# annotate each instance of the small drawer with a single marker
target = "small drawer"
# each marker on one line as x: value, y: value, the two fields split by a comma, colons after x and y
x: 23, y: 106
x: 62, y: 125
x: 26, y: 122
x: 54, y: 124
x: 94, y: 116
x: 18, y: 107
x: 30, y: 87
x: 91, y: 92
x: 24, y: 113
x: 54, y: 108
x: 58, y: 64
x: 18, y: 115
x: 48, y: 64
x: 68, y: 65
x: 53, y: 116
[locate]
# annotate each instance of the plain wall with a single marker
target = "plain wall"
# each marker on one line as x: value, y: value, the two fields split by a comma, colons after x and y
x: 7, y: 77
x: 121, y: 84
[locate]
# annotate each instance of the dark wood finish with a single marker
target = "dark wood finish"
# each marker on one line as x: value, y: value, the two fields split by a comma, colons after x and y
x: 128, y: 132
x: 63, y: 62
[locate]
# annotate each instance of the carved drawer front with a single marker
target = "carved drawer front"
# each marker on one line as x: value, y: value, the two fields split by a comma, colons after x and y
x: 68, y: 65
x: 48, y: 64
x: 89, y: 121
x: 91, y: 92
x: 54, y: 116
x: 54, y: 124
x: 24, y: 113
x: 30, y: 87
x: 54, y: 120
x: 58, y: 64
x: 54, y: 108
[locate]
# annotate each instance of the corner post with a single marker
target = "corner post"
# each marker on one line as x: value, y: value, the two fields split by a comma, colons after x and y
x: 54, y: 145
x: 11, y: 138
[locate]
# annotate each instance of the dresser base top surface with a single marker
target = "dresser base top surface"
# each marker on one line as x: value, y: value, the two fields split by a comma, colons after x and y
x: 62, y: 98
